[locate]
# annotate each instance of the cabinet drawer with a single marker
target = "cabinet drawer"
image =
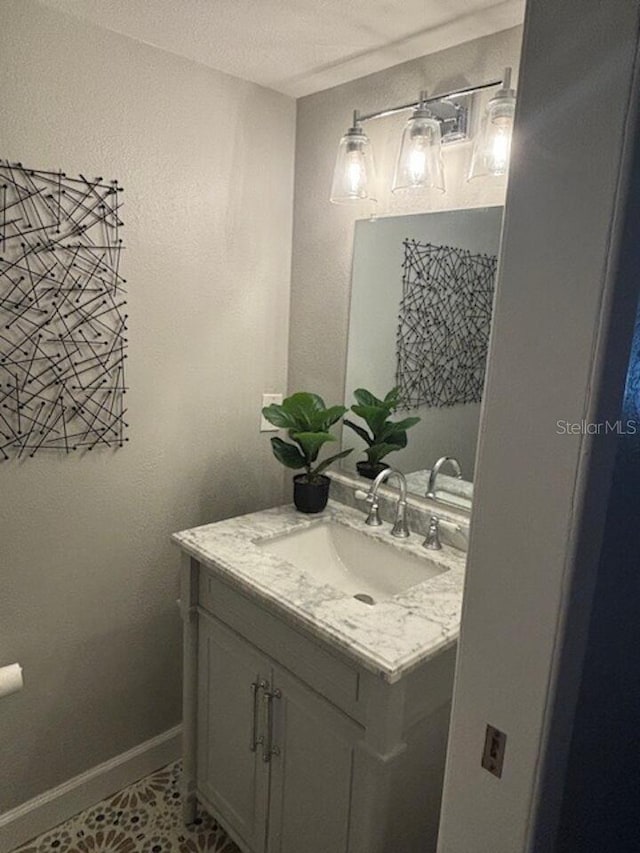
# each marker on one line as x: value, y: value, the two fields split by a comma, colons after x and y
x: 329, y: 675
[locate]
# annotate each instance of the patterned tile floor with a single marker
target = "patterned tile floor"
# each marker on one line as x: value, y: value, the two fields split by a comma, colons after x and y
x: 143, y: 818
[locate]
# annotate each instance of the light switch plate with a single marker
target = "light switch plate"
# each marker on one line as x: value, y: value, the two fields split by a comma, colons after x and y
x: 267, y: 400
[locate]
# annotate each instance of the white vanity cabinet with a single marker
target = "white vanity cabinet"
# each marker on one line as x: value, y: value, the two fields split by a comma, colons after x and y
x: 295, y: 747
x: 274, y: 759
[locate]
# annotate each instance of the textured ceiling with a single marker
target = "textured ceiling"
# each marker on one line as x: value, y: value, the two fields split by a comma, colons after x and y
x: 299, y: 46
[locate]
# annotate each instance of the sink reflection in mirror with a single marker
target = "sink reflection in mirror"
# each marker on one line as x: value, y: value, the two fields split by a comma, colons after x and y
x: 352, y: 561
x: 421, y: 300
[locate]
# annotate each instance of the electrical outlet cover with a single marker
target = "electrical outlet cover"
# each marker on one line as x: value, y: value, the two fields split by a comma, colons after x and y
x: 268, y: 400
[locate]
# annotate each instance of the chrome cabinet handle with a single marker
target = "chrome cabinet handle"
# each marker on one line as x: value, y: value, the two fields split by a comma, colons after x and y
x: 268, y: 749
x: 256, y: 687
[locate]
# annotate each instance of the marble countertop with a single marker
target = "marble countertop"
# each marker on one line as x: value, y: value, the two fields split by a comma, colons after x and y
x: 389, y: 639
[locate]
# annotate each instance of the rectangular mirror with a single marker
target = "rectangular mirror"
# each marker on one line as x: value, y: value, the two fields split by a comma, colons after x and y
x: 421, y: 299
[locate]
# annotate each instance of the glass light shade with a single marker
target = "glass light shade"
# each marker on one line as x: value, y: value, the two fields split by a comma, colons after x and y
x: 354, y: 175
x: 419, y: 163
x: 492, y: 146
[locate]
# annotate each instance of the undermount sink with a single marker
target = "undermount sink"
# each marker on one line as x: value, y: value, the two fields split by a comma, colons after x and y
x: 353, y: 562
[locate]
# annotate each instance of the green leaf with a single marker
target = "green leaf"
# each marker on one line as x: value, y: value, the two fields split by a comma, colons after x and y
x: 326, y: 462
x: 303, y: 407
x: 279, y: 416
x: 287, y: 453
x: 328, y: 417
x: 389, y: 404
x: 396, y: 439
x: 311, y: 442
x: 393, y: 427
x: 407, y: 423
x: 374, y: 417
x: 366, y: 398
x: 364, y: 435
x: 379, y: 451
x: 393, y: 397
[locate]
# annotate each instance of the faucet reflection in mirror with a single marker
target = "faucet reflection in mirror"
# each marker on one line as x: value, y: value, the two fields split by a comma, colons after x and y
x: 434, y: 122
x: 454, y: 491
x: 444, y: 460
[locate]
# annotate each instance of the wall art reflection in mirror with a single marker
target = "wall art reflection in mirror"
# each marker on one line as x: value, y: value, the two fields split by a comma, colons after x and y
x: 421, y: 301
x: 444, y: 321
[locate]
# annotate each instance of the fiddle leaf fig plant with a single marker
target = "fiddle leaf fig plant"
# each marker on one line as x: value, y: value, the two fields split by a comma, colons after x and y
x: 384, y: 435
x: 307, y: 421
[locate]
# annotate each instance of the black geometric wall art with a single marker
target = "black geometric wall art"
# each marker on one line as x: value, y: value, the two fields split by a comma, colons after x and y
x: 443, y: 324
x: 62, y: 322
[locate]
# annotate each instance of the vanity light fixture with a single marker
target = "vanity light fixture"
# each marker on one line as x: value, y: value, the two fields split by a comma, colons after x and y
x: 492, y: 145
x: 435, y: 121
x: 354, y: 176
x: 419, y: 161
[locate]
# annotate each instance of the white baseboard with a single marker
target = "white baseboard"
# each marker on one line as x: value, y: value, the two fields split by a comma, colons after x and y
x: 59, y: 804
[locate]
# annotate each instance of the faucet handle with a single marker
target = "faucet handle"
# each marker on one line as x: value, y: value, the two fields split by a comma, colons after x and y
x: 432, y: 539
x: 373, y: 519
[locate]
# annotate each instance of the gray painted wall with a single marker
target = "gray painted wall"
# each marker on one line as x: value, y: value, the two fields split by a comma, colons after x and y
x: 89, y: 579
x: 323, y: 232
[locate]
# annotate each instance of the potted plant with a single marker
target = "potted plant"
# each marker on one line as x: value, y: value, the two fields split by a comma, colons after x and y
x: 307, y: 421
x: 384, y: 435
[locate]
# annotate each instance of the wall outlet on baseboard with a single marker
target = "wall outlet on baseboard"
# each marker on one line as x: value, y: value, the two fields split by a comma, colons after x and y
x: 268, y: 400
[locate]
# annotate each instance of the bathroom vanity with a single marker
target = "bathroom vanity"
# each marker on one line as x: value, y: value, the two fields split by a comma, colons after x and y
x: 315, y: 720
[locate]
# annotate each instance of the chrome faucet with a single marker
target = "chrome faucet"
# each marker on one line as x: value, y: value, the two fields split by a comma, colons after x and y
x: 399, y: 529
x: 432, y: 539
x: 431, y: 488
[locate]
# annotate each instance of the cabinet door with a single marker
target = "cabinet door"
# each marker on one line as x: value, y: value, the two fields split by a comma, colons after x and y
x: 232, y: 774
x: 311, y: 771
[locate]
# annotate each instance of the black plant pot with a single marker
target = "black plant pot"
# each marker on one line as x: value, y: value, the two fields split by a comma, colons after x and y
x: 366, y: 469
x: 310, y: 497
